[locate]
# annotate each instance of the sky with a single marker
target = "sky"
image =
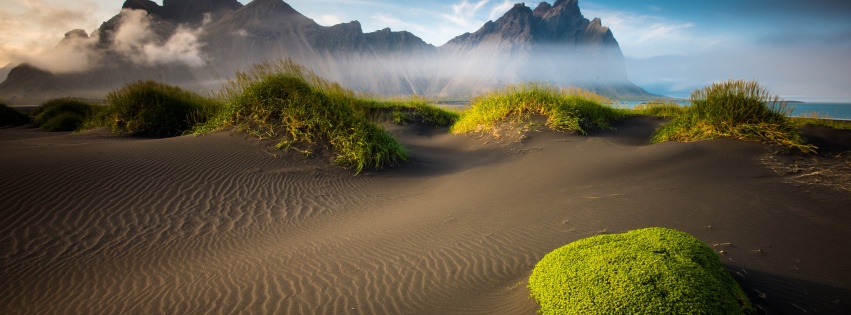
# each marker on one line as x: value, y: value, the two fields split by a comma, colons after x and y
x: 800, y: 50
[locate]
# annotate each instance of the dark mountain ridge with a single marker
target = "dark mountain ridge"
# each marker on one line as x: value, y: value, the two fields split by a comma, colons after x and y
x: 211, y: 39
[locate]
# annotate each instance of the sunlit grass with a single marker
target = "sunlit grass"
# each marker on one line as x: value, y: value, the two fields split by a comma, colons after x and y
x: 401, y: 111
x: 737, y: 109
x: 565, y: 109
x: 816, y: 119
x: 284, y: 102
x: 658, y: 109
x: 150, y: 108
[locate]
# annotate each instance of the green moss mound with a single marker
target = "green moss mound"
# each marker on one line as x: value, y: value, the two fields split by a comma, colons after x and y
x: 11, y: 117
x: 645, y: 271
x: 566, y: 109
x: 738, y: 109
x: 62, y: 114
x: 284, y: 102
x: 151, y: 108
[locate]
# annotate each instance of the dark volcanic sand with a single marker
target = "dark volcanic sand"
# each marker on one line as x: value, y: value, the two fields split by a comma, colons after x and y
x: 98, y: 224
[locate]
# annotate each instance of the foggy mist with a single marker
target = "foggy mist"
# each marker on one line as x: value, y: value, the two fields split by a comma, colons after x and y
x: 796, y: 72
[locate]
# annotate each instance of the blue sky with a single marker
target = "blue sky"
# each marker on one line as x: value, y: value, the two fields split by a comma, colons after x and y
x: 797, y: 49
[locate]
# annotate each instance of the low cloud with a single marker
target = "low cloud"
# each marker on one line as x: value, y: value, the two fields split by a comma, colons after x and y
x: 29, y: 33
x: 35, y: 40
x: 75, y: 53
x: 797, y: 73
x: 136, y: 40
x: 328, y: 19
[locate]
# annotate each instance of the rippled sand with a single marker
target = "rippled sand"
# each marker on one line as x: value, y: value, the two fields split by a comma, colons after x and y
x: 92, y: 223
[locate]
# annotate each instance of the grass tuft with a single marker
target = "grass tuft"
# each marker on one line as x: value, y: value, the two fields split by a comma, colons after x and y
x: 645, y: 271
x: 816, y: 119
x: 404, y: 110
x: 738, y: 109
x: 285, y: 102
x: 659, y: 109
x: 566, y: 109
x: 151, y: 108
x: 62, y: 114
x: 11, y: 117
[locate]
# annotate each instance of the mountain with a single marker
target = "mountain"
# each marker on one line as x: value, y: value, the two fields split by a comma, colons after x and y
x: 199, y: 44
x: 271, y: 30
x: 28, y: 80
x: 553, y: 43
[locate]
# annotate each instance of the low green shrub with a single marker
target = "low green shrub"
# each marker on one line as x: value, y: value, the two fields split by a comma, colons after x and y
x: 65, y: 121
x: 291, y: 105
x: 11, y: 117
x: 738, y: 109
x: 645, y: 271
x: 151, y: 108
x: 566, y: 109
x: 62, y: 114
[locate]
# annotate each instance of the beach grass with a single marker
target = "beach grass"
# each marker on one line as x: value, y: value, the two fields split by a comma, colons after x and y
x: 401, y: 111
x: 287, y: 103
x: 11, y: 117
x: 645, y: 271
x: 816, y: 119
x: 150, y: 108
x: 737, y: 109
x: 660, y: 109
x: 566, y: 109
x: 62, y: 114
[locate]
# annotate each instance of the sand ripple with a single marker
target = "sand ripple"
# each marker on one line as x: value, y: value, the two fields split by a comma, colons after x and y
x: 218, y: 225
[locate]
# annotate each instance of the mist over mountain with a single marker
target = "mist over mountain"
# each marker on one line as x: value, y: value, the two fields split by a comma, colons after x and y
x: 199, y: 44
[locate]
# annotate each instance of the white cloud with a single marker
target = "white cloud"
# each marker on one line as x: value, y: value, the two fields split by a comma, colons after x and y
x: 328, y: 19
x: 390, y: 21
x: 498, y: 10
x: 135, y: 40
x: 464, y: 13
x: 644, y: 36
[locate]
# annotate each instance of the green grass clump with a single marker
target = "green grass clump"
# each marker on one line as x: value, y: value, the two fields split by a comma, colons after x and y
x: 815, y: 119
x: 151, y: 108
x: 738, y: 109
x: 287, y: 103
x: 659, y: 109
x: 62, y: 114
x: 645, y: 271
x: 403, y: 111
x: 11, y: 117
x: 565, y: 109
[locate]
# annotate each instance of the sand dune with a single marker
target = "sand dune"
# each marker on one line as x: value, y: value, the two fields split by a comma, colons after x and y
x: 92, y: 223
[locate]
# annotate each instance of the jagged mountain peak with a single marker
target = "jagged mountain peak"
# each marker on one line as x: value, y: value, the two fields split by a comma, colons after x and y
x: 191, y: 12
x: 542, y: 8
x: 276, y: 6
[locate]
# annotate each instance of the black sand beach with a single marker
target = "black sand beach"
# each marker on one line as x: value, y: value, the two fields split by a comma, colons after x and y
x: 92, y: 223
